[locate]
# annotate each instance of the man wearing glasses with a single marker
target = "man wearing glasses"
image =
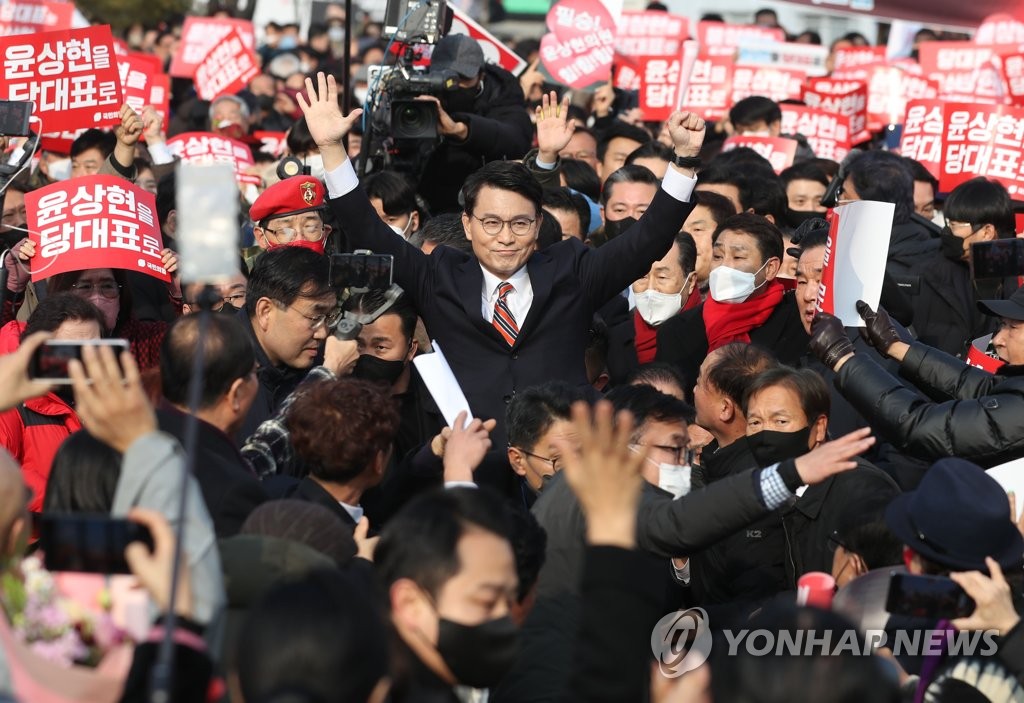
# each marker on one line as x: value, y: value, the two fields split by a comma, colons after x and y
x: 289, y: 214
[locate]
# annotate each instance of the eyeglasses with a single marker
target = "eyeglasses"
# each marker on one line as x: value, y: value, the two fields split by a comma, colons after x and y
x: 953, y: 223
x: 678, y: 453
x: 520, y: 226
x: 314, y: 232
x: 318, y: 321
x: 555, y: 466
x: 236, y: 301
x: 107, y: 289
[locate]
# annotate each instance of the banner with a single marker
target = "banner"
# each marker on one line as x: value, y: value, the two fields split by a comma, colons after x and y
x: 806, y: 58
x: 979, y: 357
x: 227, y: 69
x: 923, y: 128
x: 94, y: 222
x: 578, y: 49
x: 776, y: 83
x: 778, y: 150
x: 853, y: 63
x: 28, y: 17
x: 952, y: 13
x: 889, y: 90
x: 651, y: 34
x: 720, y: 39
x: 855, y: 255
x: 663, y: 82
x: 494, y: 50
x: 827, y: 133
x: 160, y: 96
x: 71, y: 76
x: 710, y: 91
x: 136, y: 72
x: 206, y: 148
x: 847, y: 98
x: 199, y: 35
x: 1011, y: 69
x: 273, y: 143
x: 1000, y: 28
x: 983, y: 140
x: 964, y: 71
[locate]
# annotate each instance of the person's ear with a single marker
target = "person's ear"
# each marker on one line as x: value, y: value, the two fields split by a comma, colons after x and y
x: 171, y: 223
x: 264, y: 312
x: 688, y: 284
x: 414, y: 218
x: 410, y: 610
x: 260, y: 236
x: 414, y: 346
x: 380, y: 461
x: 819, y: 430
x: 327, y: 231
x: 601, y: 382
x: 234, y: 395
x: 517, y: 460
x: 988, y: 233
x: 727, y: 411
x: 857, y: 563
x: 775, y: 128
x: 772, y: 268
x: 600, y: 209
x: 465, y: 226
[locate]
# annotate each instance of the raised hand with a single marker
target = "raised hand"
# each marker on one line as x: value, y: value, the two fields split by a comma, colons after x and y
x: 554, y: 128
x: 879, y: 330
x: 829, y: 341
x: 687, y: 131
x: 466, y: 447
x: 833, y: 457
x: 15, y: 385
x: 130, y: 129
x: 993, y: 602
x: 152, y: 126
x: 326, y: 124
x: 16, y: 262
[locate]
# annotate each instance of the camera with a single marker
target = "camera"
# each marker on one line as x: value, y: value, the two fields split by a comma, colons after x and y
x: 411, y: 118
x: 360, y: 272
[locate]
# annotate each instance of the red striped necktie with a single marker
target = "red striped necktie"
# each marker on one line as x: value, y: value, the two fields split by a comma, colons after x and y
x: 503, y: 320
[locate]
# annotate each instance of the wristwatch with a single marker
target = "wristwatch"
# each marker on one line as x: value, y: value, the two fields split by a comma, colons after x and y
x: 687, y: 162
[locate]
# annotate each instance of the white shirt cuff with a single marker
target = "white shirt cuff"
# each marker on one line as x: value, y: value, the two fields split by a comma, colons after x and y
x: 544, y: 165
x: 677, y: 185
x: 342, y: 180
x: 682, y: 575
x: 459, y: 484
x: 160, y: 153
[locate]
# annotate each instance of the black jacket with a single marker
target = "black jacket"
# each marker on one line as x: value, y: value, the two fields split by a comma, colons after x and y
x: 499, y: 129
x: 977, y: 416
x: 310, y: 491
x: 230, y: 489
x: 683, y: 339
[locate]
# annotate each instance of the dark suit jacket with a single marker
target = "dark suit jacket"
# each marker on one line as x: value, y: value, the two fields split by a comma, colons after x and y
x: 310, y: 491
x: 570, y: 281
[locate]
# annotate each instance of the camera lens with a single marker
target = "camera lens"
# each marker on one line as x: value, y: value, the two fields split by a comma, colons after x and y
x: 411, y: 118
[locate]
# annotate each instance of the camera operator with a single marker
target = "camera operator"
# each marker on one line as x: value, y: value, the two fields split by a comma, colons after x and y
x: 482, y: 120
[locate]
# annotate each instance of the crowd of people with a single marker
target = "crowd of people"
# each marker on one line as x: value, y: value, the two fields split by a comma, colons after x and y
x: 660, y: 419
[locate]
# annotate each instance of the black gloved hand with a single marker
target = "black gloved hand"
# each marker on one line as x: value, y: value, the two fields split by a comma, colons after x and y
x: 880, y: 332
x: 828, y: 339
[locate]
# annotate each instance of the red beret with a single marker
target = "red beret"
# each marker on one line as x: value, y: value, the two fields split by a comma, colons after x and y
x: 288, y: 197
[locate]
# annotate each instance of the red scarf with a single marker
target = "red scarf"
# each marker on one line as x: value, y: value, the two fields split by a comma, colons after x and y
x: 732, y: 322
x: 645, y: 337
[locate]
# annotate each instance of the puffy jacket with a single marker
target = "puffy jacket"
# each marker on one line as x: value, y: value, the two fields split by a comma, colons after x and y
x: 973, y: 415
x: 32, y: 432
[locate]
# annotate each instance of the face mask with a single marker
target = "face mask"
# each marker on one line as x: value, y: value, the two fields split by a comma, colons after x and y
x: 361, y: 93
x: 459, y: 100
x: 316, y: 165
x: 371, y: 368
x: 59, y: 170
x: 318, y: 247
x: 729, y: 285
x: 674, y: 478
x: 287, y: 42
x: 336, y: 34
x: 400, y: 231
x: 614, y: 228
x: 656, y: 307
x: 951, y: 246
x: 770, y: 447
x: 478, y: 655
x: 751, y: 133
x: 231, y: 130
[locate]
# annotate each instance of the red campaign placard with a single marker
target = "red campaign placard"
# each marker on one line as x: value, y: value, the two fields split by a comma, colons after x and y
x: 978, y: 356
x: 923, y: 129
x: 494, y: 50
x: 579, y: 47
x: 160, y: 96
x: 208, y: 148
x: 890, y: 89
x: 710, y: 91
x: 775, y: 83
x: 71, y: 76
x: 199, y: 35
x: 627, y: 72
x: 963, y: 70
x: 720, y: 39
x: 272, y: 143
x: 826, y: 132
x: 651, y: 34
x: 663, y: 82
x: 847, y: 98
x: 94, y: 222
x: 778, y: 150
x: 853, y: 63
x: 28, y: 17
x: 1011, y: 69
x: 983, y: 140
x: 228, y: 68
x: 1000, y: 28
x: 136, y: 71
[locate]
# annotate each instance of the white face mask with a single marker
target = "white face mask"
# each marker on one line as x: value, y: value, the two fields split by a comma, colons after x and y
x: 674, y: 478
x: 59, y: 170
x: 336, y: 34
x: 729, y: 285
x: 361, y: 92
x: 316, y: 165
x: 764, y: 133
x: 400, y: 231
x: 656, y: 307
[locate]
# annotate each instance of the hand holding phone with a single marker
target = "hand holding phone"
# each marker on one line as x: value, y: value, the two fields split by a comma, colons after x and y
x: 89, y: 543
x: 931, y: 597
x: 49, y: 363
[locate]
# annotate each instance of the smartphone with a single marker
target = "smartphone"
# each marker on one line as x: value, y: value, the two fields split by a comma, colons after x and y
x: 362, y: 271
x: 932, y: 597
x: 50, y: 361
x: 999, y: 258
x: 89, y: 543
x: 14, y: 118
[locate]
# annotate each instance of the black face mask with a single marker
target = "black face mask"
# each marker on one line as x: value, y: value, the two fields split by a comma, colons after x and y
x: 228, y: 309
x: 614, y: 228
x: 951, y: 246
x: 795, y: 218
x: 770, y: 447
x: 370, y: 368
x: 460, y: 100
x: 478, y: 655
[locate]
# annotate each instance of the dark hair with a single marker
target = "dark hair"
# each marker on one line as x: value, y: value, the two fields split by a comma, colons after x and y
x: 766, y: 235
x: 746, y: 163
x: 54, y: 310
x: 754, y: 109
x: 308, y: 523
x: 919, y: 173
x: 804, y: 171
x: 320, y: 637
x: 529, y: 543
x: 979, y: 202
x: 623, y: 130
x: 630, y: 173
x: 564, y: 200
x: 647, y: 404
x: 884, y: 176
x: 595, y: 355
x: 443, y: 230
x: 94, y: 139
x: 228, y: 355
x: 299, y: 139
x: 284, y: 274
x: 83, y: 476
x: 806, y: 384
x: 659, y: 372
x: 502, y: 175
x: 581, y: 177
x: 875, y: 543
x: 769, y: 198
x: 817, y: 237
x: 550, y: 232
x: 687, y: 252
x: 812, y: 37
x: 363, y: 420
x: 723, y: 174
x: 64, y: 283
x: 395, y: 191
x: 765, y: 11
x: 651, y: 150
x: 532, y: 411
x: 525, y: 47
x: 421, y: 541
x: 720, y: 207
x: 737, y: 365
x: 372, y: 300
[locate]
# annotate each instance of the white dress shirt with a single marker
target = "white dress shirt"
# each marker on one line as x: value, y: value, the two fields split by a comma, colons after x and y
x: 354, y: 511
x: 518, y: 301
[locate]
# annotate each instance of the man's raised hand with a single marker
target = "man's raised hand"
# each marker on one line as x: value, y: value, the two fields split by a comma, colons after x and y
x: 687, y: 131
x: 326, y: 124
x: 554, y: 128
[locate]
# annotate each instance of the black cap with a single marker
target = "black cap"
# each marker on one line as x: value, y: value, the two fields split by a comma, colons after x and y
x: 1012, y: 309
x: 459, y: 53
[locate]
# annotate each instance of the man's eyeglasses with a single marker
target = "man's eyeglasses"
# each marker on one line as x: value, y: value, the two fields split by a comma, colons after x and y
x: 107, y: 289
x: 317, y: 321
x: 680, y: 455
x: 555, y: 462
x: 312, y: 231
x: 520, y: 226
x: 236, y: 300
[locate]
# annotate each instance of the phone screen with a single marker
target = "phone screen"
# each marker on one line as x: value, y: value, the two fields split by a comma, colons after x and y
x: 367, y: 271
x: 932, y: 597
x: 50, y: 361
x: 14, y: 118
x: 999, y: 258
x: 89, y: 543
